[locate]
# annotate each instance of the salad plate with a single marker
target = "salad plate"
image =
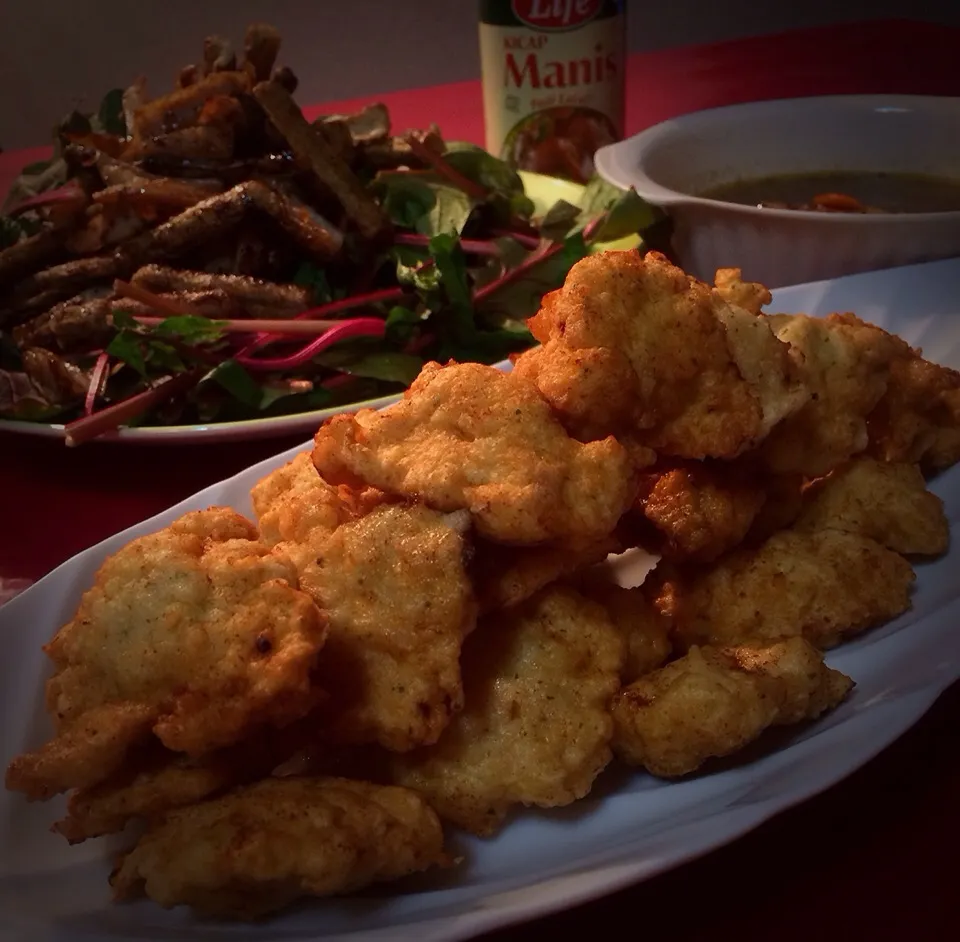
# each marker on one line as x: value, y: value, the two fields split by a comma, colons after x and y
x: 274, y: 426
x: 630, y: 828
x: 543, y: 191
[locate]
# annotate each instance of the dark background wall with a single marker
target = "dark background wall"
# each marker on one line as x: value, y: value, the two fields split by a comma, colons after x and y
x: 59, y: 54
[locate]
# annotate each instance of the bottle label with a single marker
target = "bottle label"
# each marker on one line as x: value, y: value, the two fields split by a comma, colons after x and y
x: 553, y: 81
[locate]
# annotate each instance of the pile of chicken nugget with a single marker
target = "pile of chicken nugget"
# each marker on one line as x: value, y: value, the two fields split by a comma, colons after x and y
x: 424, y: 626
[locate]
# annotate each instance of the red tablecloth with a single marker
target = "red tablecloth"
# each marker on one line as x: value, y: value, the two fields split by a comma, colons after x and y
x: 873, y: 858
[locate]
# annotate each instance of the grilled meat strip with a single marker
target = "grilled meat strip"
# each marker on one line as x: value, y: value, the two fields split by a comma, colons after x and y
x: 158, y: 195
x: 366, y: 126
x: 228, y: 171
x: 218, y: 55
x: 396, y: 152
x: 101, y: 229
x: 83, y: 323
x: 134, y: 98
x: 29, y: 254
x: 261, y: 44
x: 214, y: 217
x: 119, y: 211
x: 40, y: 291
x: 314, y: 152
x: 301, y: 222
x: 207, y: 141
x: 285, y: 76
x: 250, y: 295
x: 60, y: 382
x: 196, y: 226
x: 181, y: 108
x: 202, y: 222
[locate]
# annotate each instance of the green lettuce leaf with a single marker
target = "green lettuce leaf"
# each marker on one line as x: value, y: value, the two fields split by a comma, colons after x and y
x: 110, y: 113
x: 232, y: 377
x: 482, y: 167
x: 423, y: 202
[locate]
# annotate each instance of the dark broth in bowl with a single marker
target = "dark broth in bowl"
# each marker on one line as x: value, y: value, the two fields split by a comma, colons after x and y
x: 844, y: 191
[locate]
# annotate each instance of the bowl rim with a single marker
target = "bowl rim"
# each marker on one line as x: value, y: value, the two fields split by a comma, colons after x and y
x: 608, y: 163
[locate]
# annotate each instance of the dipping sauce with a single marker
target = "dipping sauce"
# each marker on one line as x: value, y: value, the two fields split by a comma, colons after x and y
x: 844, y: 192
x: 553, y: 82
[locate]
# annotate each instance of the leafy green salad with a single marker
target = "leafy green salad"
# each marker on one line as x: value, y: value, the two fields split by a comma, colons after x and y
x: 212, y: 256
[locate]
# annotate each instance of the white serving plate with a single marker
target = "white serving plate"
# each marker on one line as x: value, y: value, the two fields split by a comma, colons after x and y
x: 670, y: 163
x: 274, y: 426
x: 630, y: 828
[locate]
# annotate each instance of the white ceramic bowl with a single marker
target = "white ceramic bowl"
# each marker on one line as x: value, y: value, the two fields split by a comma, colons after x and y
x: 672, y: 161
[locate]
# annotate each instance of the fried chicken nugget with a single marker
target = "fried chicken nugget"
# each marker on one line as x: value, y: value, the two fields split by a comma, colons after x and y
x: 749, y: 295
x: 917, y: 421
x: 466, y: 436
x: 197, y: 633
x: 824, y: 586
x: 507, y: 575
x: 155, y: 780
x: 645, y: 630
x: 262, y: 846
x: 178, y: 780
x: 845, y: 362
x: 395, y: 588
x: 888, y: 503
x: 575, y: 382
x: 699, y: 510
x: 714, y: 701
x: 784, y: 501
x: 536, y: 726
x: 297, y: 510
x: 393, y: 583
x: 634, y: 347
